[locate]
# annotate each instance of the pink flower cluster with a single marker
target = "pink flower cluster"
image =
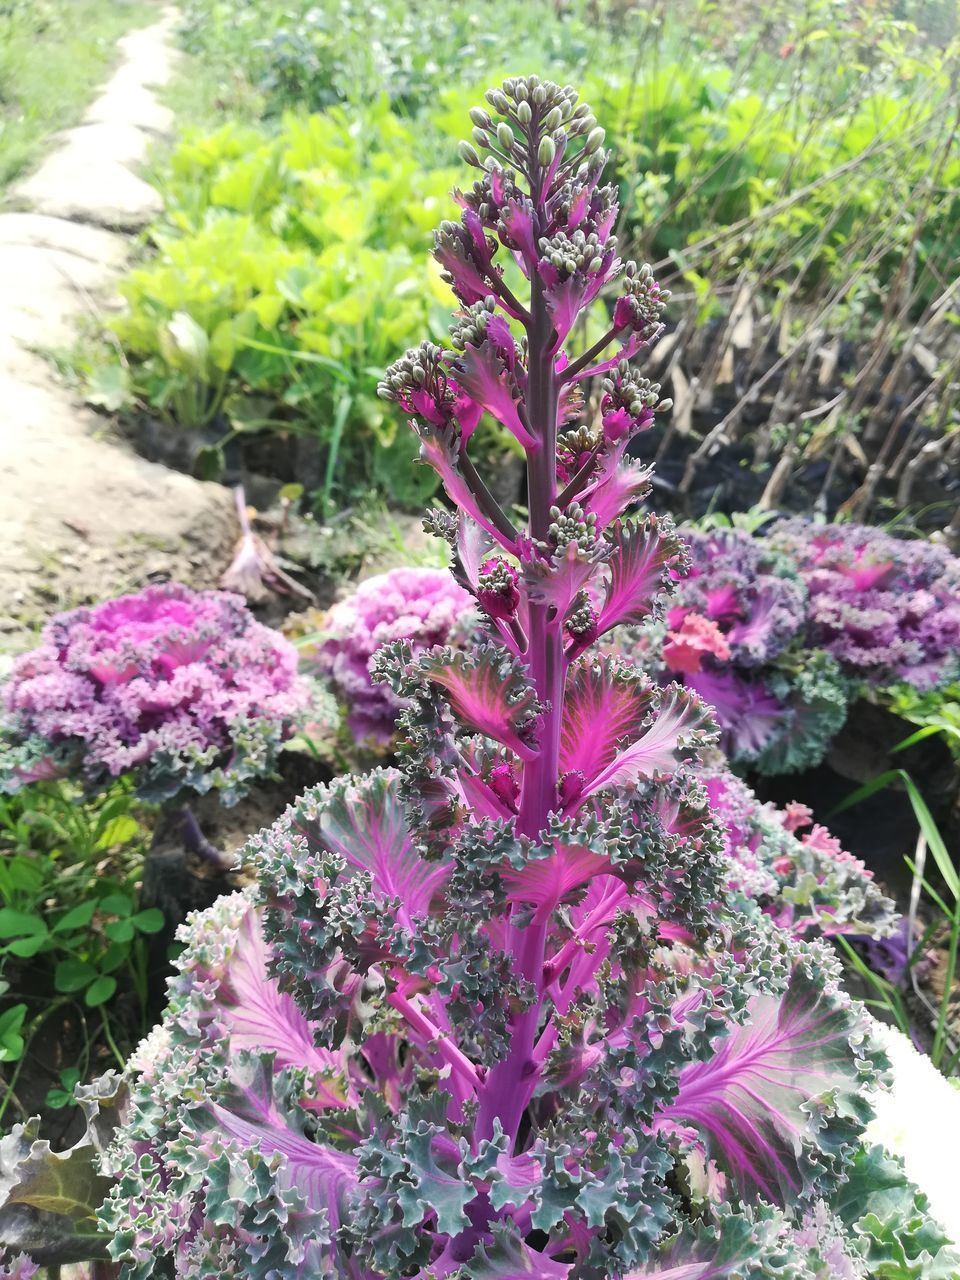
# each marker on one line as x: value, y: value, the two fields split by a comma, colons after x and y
x: 181, y: 688
x: 425, y: 607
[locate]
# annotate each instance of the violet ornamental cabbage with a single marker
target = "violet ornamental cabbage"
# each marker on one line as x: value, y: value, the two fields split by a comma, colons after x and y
x: 493, y: 1014
x: 182, y: 690
x: 425, y: 607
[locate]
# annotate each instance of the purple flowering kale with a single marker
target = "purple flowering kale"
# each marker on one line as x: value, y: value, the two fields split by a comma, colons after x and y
x: 886, y: 609
x: 424, y: 607
x: 494, y: 1014
x: 734, y: 636
x: 802, y: 879
x: 183, y: 690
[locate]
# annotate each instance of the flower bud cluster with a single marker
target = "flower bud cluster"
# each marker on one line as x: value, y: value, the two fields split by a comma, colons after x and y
x: 572, y: 525
x: 498, y: 593
x: 628, y: 402
x: 417, y: 378
x: 578, y: 252
x: 538, y: 119
x: 642, y: 303
x: 469, y: 329
x: 582, y: 618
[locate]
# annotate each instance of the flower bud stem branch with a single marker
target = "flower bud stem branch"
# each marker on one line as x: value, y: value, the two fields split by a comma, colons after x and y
x: 488, y: 503
x: 588, y: 357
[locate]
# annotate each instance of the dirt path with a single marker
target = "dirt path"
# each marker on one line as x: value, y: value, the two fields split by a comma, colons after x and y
x: 81, y: 516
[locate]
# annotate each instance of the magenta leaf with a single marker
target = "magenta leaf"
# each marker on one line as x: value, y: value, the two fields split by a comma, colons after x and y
x: 618, y: 727
x: 488, y: 693
x: 779, y: 1100
x: 484, y: 376
x: 642, y: 555
x: 257, y: 1017
x: 363, y: 821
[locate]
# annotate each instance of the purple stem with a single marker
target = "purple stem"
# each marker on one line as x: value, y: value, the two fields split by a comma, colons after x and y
x: 509, y: 1086
x: 195, y: 841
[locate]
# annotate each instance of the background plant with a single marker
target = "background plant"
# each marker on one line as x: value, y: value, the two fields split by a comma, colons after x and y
x: 72, y: 936
x: 793, y: 175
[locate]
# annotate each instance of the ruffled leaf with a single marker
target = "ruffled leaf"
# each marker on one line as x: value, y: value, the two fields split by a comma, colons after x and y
x: 657, y: 731
x: 779, y: 1101
x: 488, y: 694
x: 742, y: 1246
x: 641, y: 558
x: 510, y: 1258
x: 363, y: 821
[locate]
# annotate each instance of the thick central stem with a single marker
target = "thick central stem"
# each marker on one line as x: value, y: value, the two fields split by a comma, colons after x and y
x: 510, y: 1085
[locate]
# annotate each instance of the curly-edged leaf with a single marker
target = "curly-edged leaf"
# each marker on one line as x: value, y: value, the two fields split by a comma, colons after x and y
x: 628, y: 483
x: 251, y: 1113
x: 488, y: 693
x: 437, y: 452
x: 642, y: 555
x: 676, y: 727
x: 508, y: 1257
x: 750, y: 1245
x: 259, y: 1018
x: 779, y: 1102
x: 891, y: 1217
x: 482, y: 373
x: 558, y: 580
x: 605, y: 705
x: 363, y: 821
x: 544, y: 881
x: 48, y: 1199
x: 410, y: 1169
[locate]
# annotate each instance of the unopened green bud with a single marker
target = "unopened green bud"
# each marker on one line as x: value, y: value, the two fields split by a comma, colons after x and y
x: 524, y: 114
x: 539, y: 95
x: 664, y: 405
x: 546, y: 152
x: 468, y: 154
x: 553, y: 119
x: 505, y: 136
x: 520, y: 91
x: 594, y: 141
x: 480, y: 118
x: 498, y: 101
x: 480, y: 138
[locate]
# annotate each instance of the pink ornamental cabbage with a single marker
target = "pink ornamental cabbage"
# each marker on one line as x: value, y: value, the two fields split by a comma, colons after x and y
x: 424, y: 607
x: 184, y: 690
x: 495, y: 1014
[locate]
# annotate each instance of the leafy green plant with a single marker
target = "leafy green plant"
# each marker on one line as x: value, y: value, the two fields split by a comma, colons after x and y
x: 289, y: 269
x: 69, y: 920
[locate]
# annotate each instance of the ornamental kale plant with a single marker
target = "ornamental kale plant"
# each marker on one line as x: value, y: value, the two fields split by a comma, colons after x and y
x: 493, y: 1013
x: 424, y: 607
x: 886, y: 609
x: 182, y: 690
x: 804, y: 880
x: 735, y: 635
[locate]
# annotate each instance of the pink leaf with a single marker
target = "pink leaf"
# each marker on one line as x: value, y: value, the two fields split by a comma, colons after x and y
x: 488, y: 694
x: 364, y: 822
x: 642, y: 556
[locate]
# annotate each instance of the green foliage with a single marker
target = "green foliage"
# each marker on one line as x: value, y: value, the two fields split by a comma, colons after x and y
x: 805, y: 153
x: 290, y: 271
x: 69, y: 920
